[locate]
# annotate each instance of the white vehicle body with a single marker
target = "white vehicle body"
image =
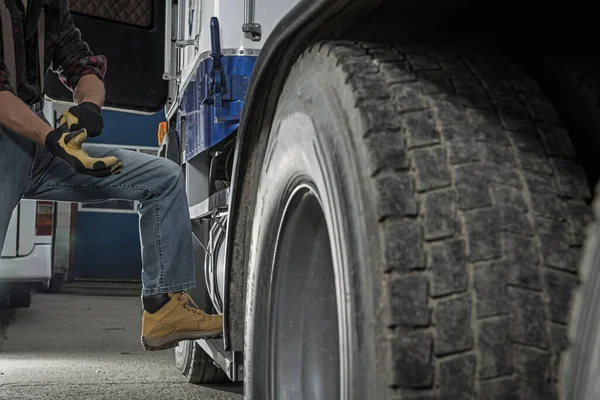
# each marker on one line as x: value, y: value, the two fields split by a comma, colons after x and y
x: 26, y: 257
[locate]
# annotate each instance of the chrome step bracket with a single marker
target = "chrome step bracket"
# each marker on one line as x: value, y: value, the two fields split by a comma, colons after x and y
x: 231, y: 362
x: 207, y: 208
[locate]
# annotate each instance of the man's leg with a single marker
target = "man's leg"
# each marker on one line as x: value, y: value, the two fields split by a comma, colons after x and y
x: 165, y: 231
x: 164, y: 220
x: 16, y: 161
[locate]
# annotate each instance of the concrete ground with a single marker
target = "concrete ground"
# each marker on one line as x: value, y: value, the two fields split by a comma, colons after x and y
x: 69, y: 346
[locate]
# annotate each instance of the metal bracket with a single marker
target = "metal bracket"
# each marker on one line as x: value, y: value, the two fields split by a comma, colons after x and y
x: 231, y: 362
x: 250, y: 27
x: 180, y: 44
x: 253, y: 31
x: 217, y: 202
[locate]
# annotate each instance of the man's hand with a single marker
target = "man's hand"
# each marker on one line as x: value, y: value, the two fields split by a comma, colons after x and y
x: 67, y: 145
x: 86, y: 115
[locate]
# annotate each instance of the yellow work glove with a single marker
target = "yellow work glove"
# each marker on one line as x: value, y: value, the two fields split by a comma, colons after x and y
x: 67, y: 145
x: 86, y: 115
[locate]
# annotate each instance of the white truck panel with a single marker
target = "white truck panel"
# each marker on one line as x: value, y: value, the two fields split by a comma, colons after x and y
x: 10, y: 241
x: 37, y: 266
x: 268, y: 13
x: 27, y: 236
x: 23, y: 234
x: 195, y: 18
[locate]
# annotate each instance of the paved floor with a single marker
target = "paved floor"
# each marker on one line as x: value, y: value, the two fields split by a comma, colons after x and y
x: 88, y: 347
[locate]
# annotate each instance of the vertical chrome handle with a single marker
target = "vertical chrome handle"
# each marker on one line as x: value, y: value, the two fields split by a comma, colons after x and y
x: 168, y: 62
x: 250, y: 27
x: 248, y: 12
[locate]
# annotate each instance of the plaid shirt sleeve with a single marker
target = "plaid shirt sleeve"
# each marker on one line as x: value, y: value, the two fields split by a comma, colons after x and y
x: 72, y: 56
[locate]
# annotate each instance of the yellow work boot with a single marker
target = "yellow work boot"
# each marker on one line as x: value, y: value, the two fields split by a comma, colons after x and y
x: 178, y: 318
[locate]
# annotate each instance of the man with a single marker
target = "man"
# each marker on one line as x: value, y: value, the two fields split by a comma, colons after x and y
x: 38, y: 162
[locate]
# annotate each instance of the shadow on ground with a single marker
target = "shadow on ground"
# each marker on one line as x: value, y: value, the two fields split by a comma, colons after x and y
x: 6, y: 315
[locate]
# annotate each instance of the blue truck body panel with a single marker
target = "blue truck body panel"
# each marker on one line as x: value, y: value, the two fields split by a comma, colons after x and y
x: 207, y: 122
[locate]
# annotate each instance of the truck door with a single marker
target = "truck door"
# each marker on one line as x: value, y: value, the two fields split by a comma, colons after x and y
x: 134, y: 78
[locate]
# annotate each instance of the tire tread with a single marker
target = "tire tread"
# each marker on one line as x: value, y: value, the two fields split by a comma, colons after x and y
x: 468, y: 175
x: 201, y: 369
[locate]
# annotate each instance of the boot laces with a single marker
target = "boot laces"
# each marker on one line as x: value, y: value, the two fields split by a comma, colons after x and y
x: 187, y: 299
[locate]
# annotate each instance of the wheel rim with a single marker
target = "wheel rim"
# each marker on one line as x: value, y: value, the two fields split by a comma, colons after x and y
x: 182, y: 356
x: 303, y: 343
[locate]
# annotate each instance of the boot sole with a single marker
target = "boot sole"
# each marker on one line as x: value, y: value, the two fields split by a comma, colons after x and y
x: 168, y: 342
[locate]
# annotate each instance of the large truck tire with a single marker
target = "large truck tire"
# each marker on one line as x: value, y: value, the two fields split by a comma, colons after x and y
x: 196, y: 365
x: 580, y: 368
x: 416, y: 230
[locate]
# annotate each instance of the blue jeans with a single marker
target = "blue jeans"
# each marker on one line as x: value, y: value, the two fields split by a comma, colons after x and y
x: 28, y: 170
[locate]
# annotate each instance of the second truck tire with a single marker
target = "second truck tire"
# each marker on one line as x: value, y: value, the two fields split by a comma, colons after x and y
x: 196, y: 365
x: 416, y: 233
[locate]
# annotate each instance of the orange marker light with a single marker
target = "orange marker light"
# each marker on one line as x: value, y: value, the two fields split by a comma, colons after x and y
x: 162, y: 132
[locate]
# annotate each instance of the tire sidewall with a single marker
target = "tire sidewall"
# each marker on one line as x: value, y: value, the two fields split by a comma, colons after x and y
x: 312, y: 143
x: 580, y: 365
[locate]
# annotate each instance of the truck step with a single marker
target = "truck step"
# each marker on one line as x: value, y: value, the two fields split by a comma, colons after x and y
x: 214, y: 204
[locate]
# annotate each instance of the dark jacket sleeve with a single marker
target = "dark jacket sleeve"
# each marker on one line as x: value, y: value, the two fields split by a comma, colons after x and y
x: 72, y: 57
x: 4, y: 83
